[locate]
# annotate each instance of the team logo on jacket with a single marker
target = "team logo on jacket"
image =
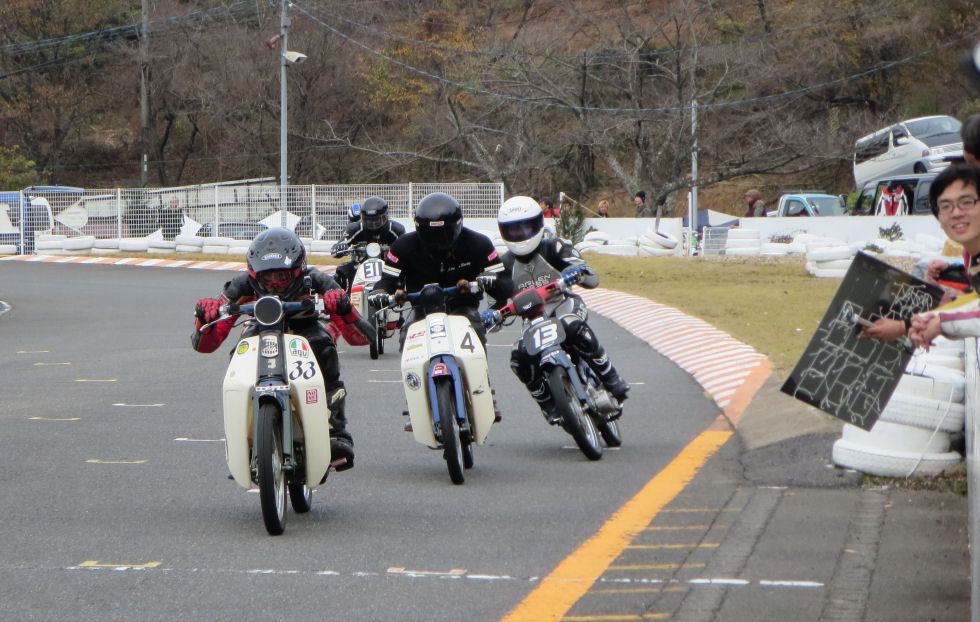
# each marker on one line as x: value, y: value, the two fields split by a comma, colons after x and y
x: 391, y: 257
x: 492, y: 255
x: 270, y: 346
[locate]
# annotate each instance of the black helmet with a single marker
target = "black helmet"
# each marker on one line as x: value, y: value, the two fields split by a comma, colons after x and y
x: 374, y: 213
x: 276, y: 258
x: 438, y: 221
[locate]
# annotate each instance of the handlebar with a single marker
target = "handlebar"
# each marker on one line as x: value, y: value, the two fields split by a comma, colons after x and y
x: 233, y: 309
x: 492, y: 317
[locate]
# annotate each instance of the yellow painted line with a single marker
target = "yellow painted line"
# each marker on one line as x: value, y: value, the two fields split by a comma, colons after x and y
x: 101, y: 461
x: 97, y: 564
x: 656, y: 566
x: 94, y: 380
x: 559, y: 591
x: 703, y: 545
x: 55, y: 418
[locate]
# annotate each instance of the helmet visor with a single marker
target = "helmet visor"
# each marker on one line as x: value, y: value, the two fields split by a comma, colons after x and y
x: 521, y: 230
x: 277, y: 281
x: 374, y: 221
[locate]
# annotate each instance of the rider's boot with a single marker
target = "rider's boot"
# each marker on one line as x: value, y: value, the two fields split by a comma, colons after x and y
x: 616, y: 386
x: 547, y: 404
x: 341, y: 442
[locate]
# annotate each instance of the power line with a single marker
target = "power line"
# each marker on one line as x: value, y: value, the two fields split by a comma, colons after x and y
x: 664, y: 109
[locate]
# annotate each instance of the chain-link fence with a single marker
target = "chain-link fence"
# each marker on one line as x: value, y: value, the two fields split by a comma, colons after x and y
x: 237, y: 210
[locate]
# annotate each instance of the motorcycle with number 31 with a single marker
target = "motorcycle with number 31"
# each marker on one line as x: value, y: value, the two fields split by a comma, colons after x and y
x: 276, y: 421
x: 369, y: 259
x: 586, y: 409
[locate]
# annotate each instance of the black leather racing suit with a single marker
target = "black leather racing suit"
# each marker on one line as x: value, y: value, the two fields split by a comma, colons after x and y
x: 409, y: 266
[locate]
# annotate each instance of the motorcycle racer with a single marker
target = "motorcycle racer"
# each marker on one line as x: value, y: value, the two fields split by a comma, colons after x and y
x: 373, y: 225
x: 533, y: 260
x: 276, y: 261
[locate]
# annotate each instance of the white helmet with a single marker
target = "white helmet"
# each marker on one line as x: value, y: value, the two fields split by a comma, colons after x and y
x: 521, y: 224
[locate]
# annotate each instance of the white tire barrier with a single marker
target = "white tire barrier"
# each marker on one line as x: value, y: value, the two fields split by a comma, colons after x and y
x: 833, y: 264
x: 738, y: 233
x: 743, y: 243
x: 189, y: 240
x: 104, y: 243
x: 214, y: 249
x: 8, y: 249
x: 596, y: 236
x: 133, y: 244
x: 622, y: 250
x: 924, y: 412
x: 773, y: 249
x: 952, y: 390
x: 898, y: 437
x: 829, y: 253
x: 882, y: 462
x: 81, y: 243
x: 748, y: 250
x: 655, y: 251
x: 662, y: 239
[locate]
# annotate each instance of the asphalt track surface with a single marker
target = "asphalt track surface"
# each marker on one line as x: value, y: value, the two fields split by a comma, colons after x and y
x: 115, y: 502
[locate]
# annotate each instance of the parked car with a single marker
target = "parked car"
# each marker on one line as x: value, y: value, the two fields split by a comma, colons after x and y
x: 809, y: 203
x: 234, y: 230
x: 920, y: 145
x: 916, y: 189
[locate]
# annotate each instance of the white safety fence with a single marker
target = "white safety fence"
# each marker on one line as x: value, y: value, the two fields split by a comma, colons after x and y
x: 230, y: 210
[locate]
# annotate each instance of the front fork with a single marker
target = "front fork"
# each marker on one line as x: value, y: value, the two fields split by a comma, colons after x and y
x: 442, y: 366
x: 555, y: 357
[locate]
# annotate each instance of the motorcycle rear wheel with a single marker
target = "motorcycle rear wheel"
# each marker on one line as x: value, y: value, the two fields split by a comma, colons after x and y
x: 574, y: 418
x: 452, y: 447
x: 271, y: 478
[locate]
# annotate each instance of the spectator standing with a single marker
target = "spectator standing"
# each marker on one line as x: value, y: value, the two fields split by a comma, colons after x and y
x: 754, y: 205
x: 548, y: 209
x: 970, y: 133
x: 566, y: 206
x: 642, y: 209
x: 603, y: 209
x: 171, y: 219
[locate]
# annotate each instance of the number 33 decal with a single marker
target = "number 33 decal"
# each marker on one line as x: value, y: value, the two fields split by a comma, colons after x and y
x: 305, y: 369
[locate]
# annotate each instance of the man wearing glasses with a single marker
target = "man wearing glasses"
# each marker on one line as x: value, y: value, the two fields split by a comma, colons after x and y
x: 954, y: 201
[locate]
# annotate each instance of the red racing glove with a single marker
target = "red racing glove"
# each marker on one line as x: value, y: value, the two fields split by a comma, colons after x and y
x: 337, y: 304
x: 207, y: 310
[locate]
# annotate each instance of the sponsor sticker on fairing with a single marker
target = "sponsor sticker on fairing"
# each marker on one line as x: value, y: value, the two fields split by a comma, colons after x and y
x: 270, y: 346
x: 312, y: 396
x: 413, y: 381
x: 298, y: 348
x: 242, y: 347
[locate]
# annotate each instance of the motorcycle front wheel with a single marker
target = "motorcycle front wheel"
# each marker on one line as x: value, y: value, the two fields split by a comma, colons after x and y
x: 375, y: 347
x: 451, y: 446
x: 574, y: 418
x: 271, y: 479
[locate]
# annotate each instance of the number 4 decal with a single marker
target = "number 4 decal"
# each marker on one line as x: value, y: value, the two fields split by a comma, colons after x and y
x: 467, y: 343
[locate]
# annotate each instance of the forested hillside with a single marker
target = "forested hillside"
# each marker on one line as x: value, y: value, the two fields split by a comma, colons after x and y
x: 595, y: 98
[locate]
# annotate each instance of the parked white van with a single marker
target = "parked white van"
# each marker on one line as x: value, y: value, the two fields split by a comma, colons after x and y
x: 917, y: 145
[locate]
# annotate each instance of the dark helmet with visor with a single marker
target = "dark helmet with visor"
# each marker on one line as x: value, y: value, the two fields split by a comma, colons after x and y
x: 276, y: 258
x: 374, y: 213
x: 438, y: 221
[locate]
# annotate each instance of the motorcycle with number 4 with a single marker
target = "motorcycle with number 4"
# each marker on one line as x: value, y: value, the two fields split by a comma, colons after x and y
x: 276, y: 421
x: 369, y: 258
x: 445, y: 377
x: 586, y: 410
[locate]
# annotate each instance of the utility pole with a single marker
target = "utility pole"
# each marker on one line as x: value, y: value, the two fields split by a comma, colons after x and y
x: 144, y: 38
x: 692, y: 212
x: 283, y: 110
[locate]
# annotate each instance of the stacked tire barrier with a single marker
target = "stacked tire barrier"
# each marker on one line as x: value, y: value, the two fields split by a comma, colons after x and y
x: 650, y: 243
x: 918, y: 425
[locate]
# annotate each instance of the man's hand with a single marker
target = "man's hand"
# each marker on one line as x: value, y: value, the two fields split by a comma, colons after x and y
x: 932, y: 271
x: 486, y: 281
x: 925, y: 328
x: 336, y: 302
x: 884, y: 329
x: 207, y: 310
x: 379, y: 300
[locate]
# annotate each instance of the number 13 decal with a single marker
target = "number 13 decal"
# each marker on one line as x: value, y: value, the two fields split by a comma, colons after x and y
x: 545, y: 335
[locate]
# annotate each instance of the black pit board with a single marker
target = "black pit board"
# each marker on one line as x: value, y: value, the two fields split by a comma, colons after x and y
x: 850, y: 378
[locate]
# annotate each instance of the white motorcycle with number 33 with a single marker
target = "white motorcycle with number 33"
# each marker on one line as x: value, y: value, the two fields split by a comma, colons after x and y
x: 276, y: 420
